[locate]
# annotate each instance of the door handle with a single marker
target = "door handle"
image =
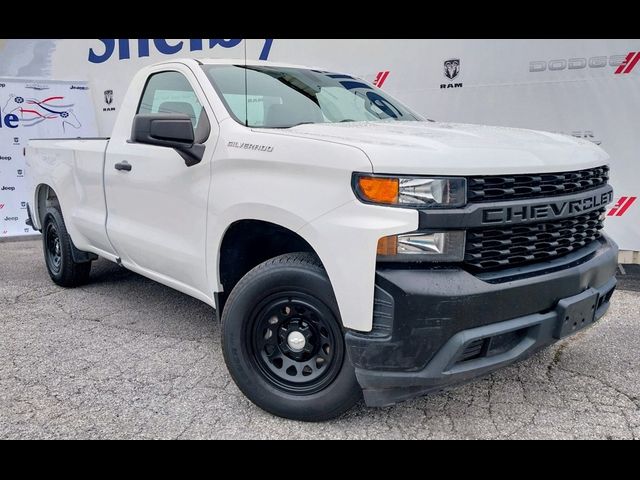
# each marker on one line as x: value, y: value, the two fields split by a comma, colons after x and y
x: 124, y: 165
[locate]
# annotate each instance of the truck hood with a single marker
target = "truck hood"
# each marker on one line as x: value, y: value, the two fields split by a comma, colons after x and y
x: 434, y: 148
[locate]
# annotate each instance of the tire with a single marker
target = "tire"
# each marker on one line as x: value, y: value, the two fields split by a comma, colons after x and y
x: 57, y: 246
x: 300, y: 370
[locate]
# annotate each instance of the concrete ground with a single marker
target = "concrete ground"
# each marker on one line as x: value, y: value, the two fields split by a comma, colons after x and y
x: 124, y: 357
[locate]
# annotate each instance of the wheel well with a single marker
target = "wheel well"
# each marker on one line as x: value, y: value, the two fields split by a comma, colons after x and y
x: 248, y: 243
x: 47, y: 197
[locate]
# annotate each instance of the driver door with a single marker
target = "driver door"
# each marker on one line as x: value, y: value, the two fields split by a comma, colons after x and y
x: 157, y: 209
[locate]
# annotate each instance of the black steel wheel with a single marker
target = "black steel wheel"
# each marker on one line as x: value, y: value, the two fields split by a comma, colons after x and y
x: 296, y: 343
x: 283, y: 341
x: 53, y: 251
x: 58, y: 255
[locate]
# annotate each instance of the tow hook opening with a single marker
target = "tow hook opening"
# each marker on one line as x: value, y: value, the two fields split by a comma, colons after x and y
x: 492, y: 346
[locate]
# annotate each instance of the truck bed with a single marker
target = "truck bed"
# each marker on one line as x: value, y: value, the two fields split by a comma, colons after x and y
x: 75, y: 166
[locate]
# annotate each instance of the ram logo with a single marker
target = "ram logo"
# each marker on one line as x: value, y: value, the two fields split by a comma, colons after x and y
x: 451, y: 68
x: 451, y: 71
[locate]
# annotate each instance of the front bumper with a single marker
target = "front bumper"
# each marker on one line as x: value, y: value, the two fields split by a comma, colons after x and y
x: 442, y: 326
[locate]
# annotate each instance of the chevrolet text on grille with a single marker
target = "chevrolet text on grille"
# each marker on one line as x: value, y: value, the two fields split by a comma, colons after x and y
x: 551, y: 210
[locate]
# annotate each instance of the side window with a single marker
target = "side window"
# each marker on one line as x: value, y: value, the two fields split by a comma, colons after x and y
x: 170, y: 92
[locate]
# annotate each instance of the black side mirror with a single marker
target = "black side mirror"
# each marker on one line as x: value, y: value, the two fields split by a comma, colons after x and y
x: 173, y: 130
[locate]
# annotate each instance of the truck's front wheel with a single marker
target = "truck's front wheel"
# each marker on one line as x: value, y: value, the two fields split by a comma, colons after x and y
x: 57, y: 246
x: 283, y: 341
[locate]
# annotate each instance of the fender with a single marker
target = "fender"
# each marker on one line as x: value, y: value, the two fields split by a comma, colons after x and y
x: 265, y: 213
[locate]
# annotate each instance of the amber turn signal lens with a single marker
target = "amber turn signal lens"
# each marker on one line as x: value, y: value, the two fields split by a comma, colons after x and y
x: 379, y: 189
x: 388, y: 245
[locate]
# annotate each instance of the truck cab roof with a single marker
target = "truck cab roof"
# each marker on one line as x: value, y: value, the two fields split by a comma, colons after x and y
x: 235, y: 61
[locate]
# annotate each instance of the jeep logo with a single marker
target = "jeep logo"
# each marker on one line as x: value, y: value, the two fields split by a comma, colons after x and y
x: 11, y: 189
x: 8, y: 157
x: 10, y: 219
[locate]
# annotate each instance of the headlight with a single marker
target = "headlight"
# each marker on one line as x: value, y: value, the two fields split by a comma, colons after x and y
x: 412, y: 192
x: 423, y: 247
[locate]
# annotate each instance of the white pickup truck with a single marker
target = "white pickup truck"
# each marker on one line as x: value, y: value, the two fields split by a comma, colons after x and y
x: 348, y: 245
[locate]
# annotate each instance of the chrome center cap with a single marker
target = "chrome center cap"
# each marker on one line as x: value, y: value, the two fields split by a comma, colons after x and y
x: 296, y: 341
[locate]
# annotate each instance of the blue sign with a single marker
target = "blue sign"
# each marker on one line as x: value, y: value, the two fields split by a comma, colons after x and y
x: 122, y: 46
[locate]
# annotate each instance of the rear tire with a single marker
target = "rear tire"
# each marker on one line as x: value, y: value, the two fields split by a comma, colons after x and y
x: 283, y: 341
x: 57, y: 246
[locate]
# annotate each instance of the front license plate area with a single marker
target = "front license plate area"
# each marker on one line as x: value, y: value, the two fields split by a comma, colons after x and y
x: 576, y: 313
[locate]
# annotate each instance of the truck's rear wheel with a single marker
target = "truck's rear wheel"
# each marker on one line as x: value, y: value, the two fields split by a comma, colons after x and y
x: 57, y: 246
x: 283, y: 341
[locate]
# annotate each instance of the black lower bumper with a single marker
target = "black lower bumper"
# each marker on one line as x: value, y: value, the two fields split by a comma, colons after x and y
x: 442, y: 326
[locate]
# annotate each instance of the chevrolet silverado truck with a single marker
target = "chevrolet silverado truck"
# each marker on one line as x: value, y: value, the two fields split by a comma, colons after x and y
x: 350, y: 247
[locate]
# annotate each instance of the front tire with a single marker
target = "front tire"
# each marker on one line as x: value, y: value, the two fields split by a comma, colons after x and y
x: 283, y: 341
x: 57, y: 246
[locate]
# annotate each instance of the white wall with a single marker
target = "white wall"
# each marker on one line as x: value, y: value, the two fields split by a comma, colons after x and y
x: 565, y: 86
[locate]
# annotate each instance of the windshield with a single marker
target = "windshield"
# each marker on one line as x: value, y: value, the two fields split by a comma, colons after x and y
x: 280, y: 97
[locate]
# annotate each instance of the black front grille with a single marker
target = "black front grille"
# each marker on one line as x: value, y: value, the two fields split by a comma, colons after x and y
x: 513, y: 187
x: 500, y: 247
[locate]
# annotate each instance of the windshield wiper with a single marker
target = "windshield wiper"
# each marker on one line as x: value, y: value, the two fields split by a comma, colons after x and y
x: 295, y: 125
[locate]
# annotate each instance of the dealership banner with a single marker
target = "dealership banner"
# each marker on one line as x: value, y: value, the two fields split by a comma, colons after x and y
x: 34, y: 109
x: 587, y: 88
